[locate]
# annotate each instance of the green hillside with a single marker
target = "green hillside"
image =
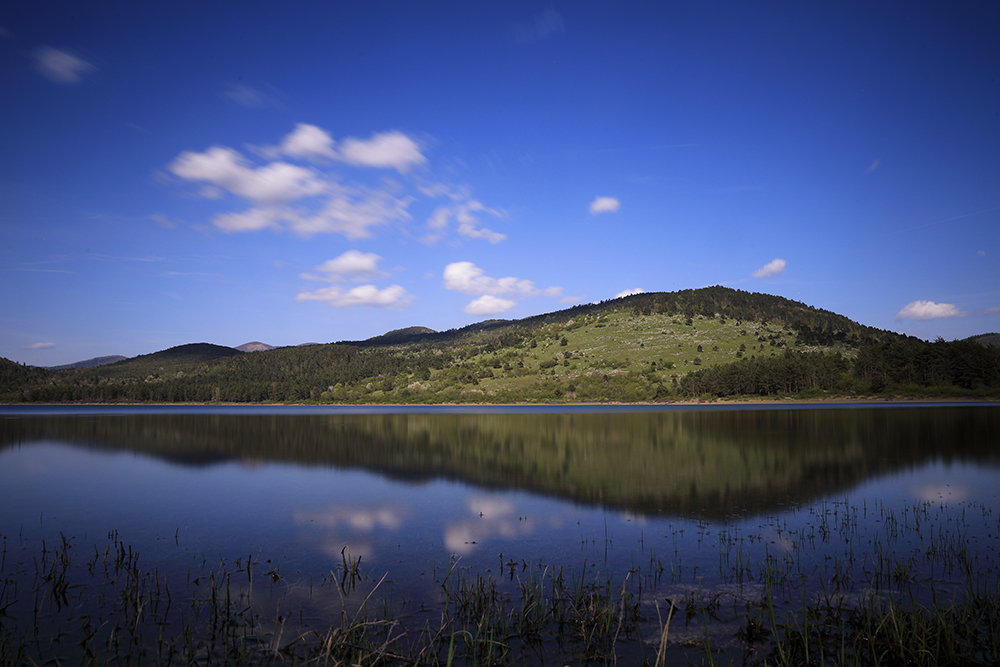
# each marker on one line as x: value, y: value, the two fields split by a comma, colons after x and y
x: 707, y: 343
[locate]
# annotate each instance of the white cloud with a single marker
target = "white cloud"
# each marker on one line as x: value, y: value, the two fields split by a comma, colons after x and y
x: 992, y: 311
x: 604, y: 205
x: 251, y: 220
x: 394, y: 296
x: 630, y: 292
x: 356, y: 265
x: 60, y: 66
x: 351, y: 211
x: 872, y: 167
x: 386, y: 149
x: 772, y: 268
x: 352, y: 263
x: 928, y: 310
x: 40, y: 346
x: 311, y: 199
x: 274, y: 183
x: 308, y: 142
x: 496, y: 295
x: 383, y: 150
x: 468, y: 278
x: 489, y: 305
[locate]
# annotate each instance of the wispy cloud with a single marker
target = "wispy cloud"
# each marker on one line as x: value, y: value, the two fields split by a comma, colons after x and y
x: 61, y: 66
x: 163, y: 221
x: 604, y: 205
x: 872, y: 167
x: 992, y: 311
x: 249, y: 97
x: 40, y: 346
x: 545, y: 24
x: 928, y: 310
x: 772, y: 268
x: 630, y: 292
x: 464, y: 211
x: 37, y: 270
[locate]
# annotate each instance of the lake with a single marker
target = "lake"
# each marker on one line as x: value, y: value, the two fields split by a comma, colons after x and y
x: 548, y: 535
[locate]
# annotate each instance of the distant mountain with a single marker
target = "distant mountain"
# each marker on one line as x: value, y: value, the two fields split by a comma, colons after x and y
x: 400, y: 335
x: 254, y: 346
x: 988, y: 340
x: 90, y: 363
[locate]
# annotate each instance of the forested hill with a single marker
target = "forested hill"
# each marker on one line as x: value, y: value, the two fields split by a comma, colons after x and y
x: 816, y: 325
x: 703, y: 343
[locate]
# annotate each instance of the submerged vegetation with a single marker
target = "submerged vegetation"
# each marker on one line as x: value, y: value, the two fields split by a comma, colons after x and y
x: 694, y: 344
x: 831, y: 583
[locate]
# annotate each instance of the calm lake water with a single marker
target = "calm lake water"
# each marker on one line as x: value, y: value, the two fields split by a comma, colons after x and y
x: 676, y: 504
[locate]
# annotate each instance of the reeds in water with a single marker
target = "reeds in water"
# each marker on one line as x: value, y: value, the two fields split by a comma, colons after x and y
x: 832, y: 584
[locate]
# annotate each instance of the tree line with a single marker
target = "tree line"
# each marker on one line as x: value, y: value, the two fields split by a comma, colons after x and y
x: 903, y: 365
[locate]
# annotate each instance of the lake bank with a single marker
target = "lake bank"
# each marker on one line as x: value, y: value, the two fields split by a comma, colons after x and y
x: 763, y: 403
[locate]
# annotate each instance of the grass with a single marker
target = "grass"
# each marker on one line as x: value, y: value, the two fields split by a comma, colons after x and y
x: 610, y: 356
x: 827, y: 584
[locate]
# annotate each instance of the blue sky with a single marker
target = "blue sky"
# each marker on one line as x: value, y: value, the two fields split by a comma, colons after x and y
x: 316, y: 172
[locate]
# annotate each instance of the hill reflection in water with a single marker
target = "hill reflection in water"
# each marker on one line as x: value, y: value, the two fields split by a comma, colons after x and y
x: 711, y: 462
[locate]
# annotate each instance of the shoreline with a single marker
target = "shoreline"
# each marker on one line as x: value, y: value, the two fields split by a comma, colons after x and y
x: 761, y: 402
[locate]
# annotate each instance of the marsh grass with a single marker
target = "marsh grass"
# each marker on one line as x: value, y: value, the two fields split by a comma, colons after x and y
x: 830, y: 584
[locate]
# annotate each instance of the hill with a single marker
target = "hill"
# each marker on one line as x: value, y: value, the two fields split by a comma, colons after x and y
x: 254, y: 346
x: 192, y: 353
x: 649, y: 347
x: 989, y: 339
x: 406, y: 335
x: 90, y: 363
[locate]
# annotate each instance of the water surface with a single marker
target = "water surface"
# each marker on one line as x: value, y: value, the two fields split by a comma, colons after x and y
x: 679, y: 498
